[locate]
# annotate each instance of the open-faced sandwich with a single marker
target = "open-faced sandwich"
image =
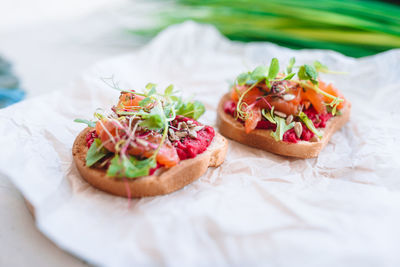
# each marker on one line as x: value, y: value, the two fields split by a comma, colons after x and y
x: 148, y: 144
x: 287, y: 113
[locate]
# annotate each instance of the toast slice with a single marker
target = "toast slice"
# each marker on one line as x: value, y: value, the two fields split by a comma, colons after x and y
x: 262, y: 139
x: 163, y: 182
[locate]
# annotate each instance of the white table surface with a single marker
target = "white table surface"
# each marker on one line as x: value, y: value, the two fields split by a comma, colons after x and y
x: 50, y: 43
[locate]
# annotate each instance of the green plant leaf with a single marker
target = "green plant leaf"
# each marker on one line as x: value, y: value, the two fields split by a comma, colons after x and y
x: 259, y: 73
x: 198, y: 110
x: 87, y: 122
x: 168, y: 91
x: 311, y: 72
x: 99, y: 115
x: 320, y: 67
x: 243, y: 78
x: 290, y: 76
x: 302, y: 73
x: 130, y: 167
x: 190, y: 109
x: 289, y: 68
x: 310, y: 125
x: 308, y: 72
x: 152, y: 91
x: 333, y: 110
x: 150, y: 86
x: 95, y: 153
x: 175, y: 98
x: 269, y: 115
x: 281, y: 128
x: 273, y: 69
x: 145, y: 101
x: 153, y: 119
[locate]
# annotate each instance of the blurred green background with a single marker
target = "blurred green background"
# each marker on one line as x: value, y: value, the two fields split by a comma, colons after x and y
x: 355, y: 28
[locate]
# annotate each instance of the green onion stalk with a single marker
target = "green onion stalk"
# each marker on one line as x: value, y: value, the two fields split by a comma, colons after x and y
x: 353, y: 27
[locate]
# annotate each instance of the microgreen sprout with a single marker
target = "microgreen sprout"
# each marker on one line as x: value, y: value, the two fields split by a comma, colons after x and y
x: 269, y: 115
x: 257, y: 76
x: 242, y: 110
x: 307, y: 78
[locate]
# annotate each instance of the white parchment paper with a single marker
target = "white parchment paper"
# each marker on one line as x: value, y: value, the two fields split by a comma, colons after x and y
x: 259, y: 209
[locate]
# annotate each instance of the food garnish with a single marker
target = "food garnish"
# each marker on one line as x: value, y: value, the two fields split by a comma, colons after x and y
x: 145, y: 131
x: 283, y: 101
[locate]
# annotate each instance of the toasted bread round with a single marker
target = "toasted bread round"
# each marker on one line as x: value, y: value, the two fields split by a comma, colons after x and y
x: 262, y: 139
x: 167, y: 181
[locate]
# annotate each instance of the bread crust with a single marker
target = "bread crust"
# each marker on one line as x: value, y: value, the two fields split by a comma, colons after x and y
x: 165, y: 182
x: 259, y: 138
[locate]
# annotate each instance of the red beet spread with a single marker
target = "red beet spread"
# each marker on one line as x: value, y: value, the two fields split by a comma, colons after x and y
x: 90, y: 136
x: 186, y: 147
x: 319, y: 121
x: 152, y: 171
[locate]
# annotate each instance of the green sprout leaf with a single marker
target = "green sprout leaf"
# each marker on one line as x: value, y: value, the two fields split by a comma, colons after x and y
x: 273, y: 69
x: 311, y: 72
x: 310, y: 125
x: 150, y: 86
x: 168, y: 91
x: 308, y: 72
x: 259, y: 73
x: 333, y: 110
x: 198, y: 110
x: 99, y: 115
x: 153, y: 119
x: 87, y: 122
x: 95, y: 153
x: 281, y: 128
x: 145, y: 102
x: 130, y: 167
x: 289, y: 68
x: 269, y: 115
x: 302, y: 73
x: 334, y: 104
x: 320, y: 67
x: 290, y: 76
x: 190, y: 109
x: 152, y: 91
x: 243, y: 78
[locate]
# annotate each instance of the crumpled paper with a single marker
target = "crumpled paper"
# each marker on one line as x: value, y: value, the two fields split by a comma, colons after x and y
x: 257, y: 209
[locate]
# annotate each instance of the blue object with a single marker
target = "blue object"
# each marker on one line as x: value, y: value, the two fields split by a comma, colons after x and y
x: 10, y: 92
x: 10, y: 96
